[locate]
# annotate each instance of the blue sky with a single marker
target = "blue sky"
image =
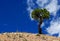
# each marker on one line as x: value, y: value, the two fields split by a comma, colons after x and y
x: 15, y: 14
x: 8, y: 13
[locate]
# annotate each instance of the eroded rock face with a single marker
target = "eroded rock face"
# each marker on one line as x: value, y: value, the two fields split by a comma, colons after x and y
x: 26, y: 37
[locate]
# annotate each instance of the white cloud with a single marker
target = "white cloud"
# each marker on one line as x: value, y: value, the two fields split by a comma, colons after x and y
x: 41, y: 3
x: 53, y: 7
x: 54, y: 28
x: 30, y: 4
x: 30, y: 11
x: 42, y: 24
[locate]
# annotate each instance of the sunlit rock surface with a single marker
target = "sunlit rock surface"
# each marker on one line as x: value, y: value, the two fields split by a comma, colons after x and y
x: 18, y: 36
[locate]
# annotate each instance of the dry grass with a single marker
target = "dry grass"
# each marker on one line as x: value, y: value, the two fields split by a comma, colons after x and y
x: 26, y: 37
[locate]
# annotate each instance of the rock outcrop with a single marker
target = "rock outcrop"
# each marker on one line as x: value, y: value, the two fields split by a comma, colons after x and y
x: 18, y: 36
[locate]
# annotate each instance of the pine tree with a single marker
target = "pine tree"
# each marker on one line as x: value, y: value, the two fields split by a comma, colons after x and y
x: 40, y: 15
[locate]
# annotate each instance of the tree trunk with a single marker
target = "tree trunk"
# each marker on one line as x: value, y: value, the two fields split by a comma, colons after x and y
x: 39, y: 26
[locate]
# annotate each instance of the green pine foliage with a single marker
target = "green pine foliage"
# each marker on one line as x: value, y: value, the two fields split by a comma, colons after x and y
x: 36, y: 13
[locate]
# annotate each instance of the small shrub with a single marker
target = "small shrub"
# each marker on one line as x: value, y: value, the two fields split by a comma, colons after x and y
x: 38, y: 35
x: 20, y: 36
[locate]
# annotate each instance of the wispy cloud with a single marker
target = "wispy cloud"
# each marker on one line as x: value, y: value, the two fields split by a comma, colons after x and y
x: 52, y: 7
x: 30, y: 11
x: 41, y: 3
x: 54, y: 27
x: 30, y: 4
